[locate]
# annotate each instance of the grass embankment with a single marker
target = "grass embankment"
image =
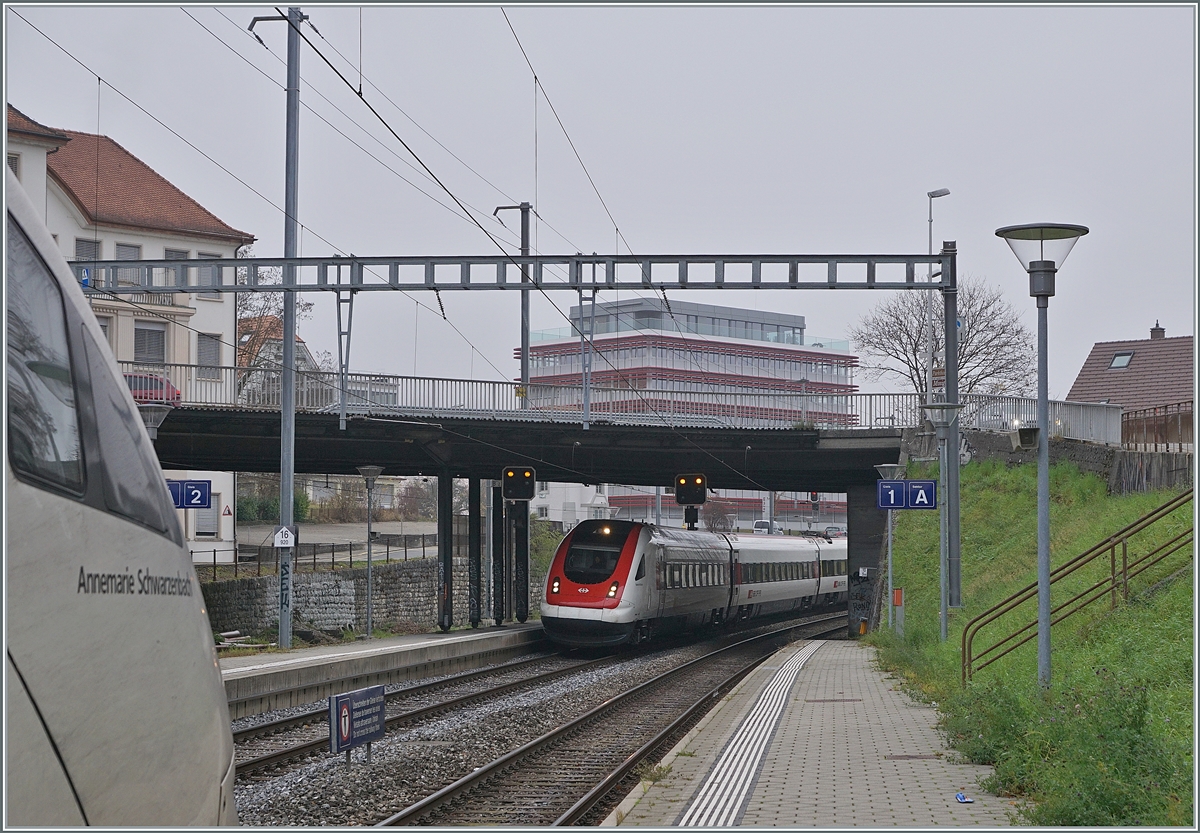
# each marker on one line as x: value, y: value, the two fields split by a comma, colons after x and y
x: 1111, y: 742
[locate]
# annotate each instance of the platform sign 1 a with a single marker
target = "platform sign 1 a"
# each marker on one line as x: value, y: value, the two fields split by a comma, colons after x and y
x: 191, y: 494
x: 355, y: 718
x: 906, y: 494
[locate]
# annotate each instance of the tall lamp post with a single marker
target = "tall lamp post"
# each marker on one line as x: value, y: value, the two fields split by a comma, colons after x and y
x: 369, y: 474
x: 890, y: 471
x: 943, y: 415
x: 1041, y: 248
x: 933, y: 195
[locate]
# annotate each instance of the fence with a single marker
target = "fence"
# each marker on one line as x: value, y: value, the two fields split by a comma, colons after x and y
x: 1165, y: 428
x: 317, y: 557
x: 255, y: 388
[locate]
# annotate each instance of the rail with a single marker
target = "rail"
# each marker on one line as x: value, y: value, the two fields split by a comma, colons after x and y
x: 1114, y: 583
x: 1163, y: 428
x: 259, y: 389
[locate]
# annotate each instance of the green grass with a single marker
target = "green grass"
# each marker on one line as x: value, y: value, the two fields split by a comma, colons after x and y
x: 1111, y: 742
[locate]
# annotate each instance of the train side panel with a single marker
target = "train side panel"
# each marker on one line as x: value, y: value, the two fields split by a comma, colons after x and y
x: 776, y: 574
x: 109, y: 648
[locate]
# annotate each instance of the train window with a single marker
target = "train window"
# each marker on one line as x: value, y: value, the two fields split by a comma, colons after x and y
x: 641, y: 569
x: 133, y: 483
x: 589, y: 564
x: 43, y: 425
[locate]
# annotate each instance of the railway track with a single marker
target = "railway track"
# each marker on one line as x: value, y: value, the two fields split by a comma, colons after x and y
x: 576, y: 771
x: 273, y: 743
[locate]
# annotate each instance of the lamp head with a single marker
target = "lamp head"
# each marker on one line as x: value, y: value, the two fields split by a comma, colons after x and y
x: 940, y: 192
x: 369, y: 473
x: 890, y: 471
x: 153, y: 414
x: 1035, y: 242
x: 942, y: 414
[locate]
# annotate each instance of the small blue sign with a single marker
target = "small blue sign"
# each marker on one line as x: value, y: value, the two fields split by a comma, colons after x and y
x: 87, y: 277
x: 355, y: 718
x: 906, y: 494
x: 191, y: 494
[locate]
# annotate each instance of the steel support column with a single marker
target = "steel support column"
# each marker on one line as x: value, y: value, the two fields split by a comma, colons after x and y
x: 951, y: 498
x: 520, y: 513
x: 445, y: 526
x: 499, y: 551
x: 474, y: 550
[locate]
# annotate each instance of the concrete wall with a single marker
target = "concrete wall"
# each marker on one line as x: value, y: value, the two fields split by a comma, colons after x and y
x: 867, y: 547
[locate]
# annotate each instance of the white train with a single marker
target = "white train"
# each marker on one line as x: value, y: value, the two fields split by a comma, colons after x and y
x: 616, y: 582
x: 115, y: 712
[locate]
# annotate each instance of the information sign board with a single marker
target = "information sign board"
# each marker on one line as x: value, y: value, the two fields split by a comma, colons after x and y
x: 906, y: 494
x: 355, y: 718
x: 191, y: 494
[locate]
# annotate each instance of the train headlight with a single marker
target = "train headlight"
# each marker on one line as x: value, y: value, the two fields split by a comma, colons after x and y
x: 554, y: 585
x: 612, y: 591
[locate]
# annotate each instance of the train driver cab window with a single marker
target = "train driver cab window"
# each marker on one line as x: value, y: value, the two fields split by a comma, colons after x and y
x: 641, y: 569
x: 43, y: 426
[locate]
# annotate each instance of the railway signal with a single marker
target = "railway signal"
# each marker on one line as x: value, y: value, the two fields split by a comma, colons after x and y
x: 519, y: 483
x: 691, y: 489
x: 815, y: 498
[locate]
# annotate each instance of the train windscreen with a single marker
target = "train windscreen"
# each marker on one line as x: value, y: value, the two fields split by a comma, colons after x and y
x: 594, y: 551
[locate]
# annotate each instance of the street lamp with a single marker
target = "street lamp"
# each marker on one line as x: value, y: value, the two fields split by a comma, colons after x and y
x: 153, y: 414
x: 369, y: 474
x: 933, y: 195
x: 890, y: 471
x: 943, y: 415
x: 1041, y: 248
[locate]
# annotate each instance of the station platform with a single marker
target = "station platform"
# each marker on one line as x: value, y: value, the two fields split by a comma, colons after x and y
x: 819, y: 737
x: 259, y: 682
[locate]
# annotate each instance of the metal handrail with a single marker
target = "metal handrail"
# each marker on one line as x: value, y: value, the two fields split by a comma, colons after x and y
x: 1117, y: 581
x: 260, y: 388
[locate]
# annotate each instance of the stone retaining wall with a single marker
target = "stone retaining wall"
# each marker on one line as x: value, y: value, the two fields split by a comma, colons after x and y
x: 1124, y: 471
x: 403, y: 592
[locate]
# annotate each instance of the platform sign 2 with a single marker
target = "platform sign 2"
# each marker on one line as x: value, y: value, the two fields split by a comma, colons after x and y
x: 355, y: 718
x: 191, y: 494
x: 906, y: 494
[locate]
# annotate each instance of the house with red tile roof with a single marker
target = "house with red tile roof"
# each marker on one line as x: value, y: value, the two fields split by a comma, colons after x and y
x: 1152, y: 379
x: 103, y: 203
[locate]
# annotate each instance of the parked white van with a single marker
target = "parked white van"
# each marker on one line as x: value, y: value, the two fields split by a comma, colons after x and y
x: 767, y: 528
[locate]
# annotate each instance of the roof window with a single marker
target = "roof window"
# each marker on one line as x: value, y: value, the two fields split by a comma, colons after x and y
x: 1121, y: 359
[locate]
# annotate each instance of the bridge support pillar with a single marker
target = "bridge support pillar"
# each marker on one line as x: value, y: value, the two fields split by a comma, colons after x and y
x: 520, y: 524
x: 445, y: 523
x: 866, y: 527
x: 474, y: 550
x: 499, y: 553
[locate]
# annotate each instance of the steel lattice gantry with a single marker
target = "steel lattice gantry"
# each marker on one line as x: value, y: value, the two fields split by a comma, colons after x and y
x: 347, y: 276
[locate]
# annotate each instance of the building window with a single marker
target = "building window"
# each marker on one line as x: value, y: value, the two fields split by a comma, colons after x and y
x: 105, y: 323
x: 208, y: 356
x: 132, y: 276
x: 87, y: 249
x: 14, y: 164
x: 150, y: 342
x: 208, y: 520
x: 543, y: 511
x: 208, y: 276
x: 1121, y: 359
x: 175, y: 254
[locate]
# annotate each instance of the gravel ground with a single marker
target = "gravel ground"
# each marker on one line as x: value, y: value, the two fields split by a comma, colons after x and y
x: 408, y: 765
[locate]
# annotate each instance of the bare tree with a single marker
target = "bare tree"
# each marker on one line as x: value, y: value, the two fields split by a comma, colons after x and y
x: 718, y: 515
x: 261, y: 304
x: 996, y: 354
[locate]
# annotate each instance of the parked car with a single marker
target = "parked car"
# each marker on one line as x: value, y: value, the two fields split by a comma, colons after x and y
x: 767, y: 528
x: 835, y: 532
x: 152, y: 387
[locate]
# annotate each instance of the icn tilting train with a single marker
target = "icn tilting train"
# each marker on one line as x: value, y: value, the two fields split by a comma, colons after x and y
x: 618, y: 582
x: 115, y: 714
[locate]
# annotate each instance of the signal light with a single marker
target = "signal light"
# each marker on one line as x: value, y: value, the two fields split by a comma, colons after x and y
x: 518, y: 483
x: 691, y: 489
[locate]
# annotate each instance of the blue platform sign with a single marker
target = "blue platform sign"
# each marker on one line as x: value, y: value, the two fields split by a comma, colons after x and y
x: 906, y: 494
x: 191, y: 494
x: 355, y: 718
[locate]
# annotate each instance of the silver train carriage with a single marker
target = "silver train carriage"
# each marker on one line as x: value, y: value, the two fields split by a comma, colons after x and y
x: 114, y: 710
x: 616, y: 582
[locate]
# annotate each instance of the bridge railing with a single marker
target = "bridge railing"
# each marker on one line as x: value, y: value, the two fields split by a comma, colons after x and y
x: 258, y: 388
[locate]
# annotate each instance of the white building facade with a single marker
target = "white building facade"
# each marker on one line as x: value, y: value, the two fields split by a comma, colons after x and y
x: 103, y: 203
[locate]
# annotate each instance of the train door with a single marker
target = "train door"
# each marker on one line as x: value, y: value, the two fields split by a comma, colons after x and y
x: 656, y: 554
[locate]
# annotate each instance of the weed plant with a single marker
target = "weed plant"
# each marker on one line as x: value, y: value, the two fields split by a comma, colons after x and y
x: 1111, y: 742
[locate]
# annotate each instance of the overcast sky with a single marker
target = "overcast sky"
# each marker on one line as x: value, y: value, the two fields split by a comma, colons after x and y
x: 705, y: 130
